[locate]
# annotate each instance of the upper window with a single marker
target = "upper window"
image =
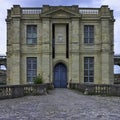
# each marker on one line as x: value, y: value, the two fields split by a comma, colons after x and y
x: 31, y: 34
x: 88, y: 34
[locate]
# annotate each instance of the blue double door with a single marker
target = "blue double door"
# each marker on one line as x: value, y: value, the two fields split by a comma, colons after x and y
x: 60, y: 76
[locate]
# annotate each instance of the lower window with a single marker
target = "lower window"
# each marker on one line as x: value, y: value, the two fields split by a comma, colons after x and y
x: 88, y: 69
x: 31, y: 68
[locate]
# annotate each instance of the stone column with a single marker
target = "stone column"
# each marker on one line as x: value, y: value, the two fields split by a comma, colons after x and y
x: 9, y: 50
x: 107, y: 45
x: 14, y: 42
x: 106, y: 57
x: 16, y: 52
x: 111, y: 24
x: 46, y: 53
x: 75, y: 50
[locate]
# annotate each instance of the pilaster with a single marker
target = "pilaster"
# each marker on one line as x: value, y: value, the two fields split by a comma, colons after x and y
x: 46, y: 53
x: 75, y: 50
x: 14, y: 51
x: 106, y: 57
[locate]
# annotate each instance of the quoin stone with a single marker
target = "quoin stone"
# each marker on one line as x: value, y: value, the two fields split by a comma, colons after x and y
x: 62, y: 43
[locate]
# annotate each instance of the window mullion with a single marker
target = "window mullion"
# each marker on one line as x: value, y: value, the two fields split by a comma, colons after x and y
x: 31, y: 34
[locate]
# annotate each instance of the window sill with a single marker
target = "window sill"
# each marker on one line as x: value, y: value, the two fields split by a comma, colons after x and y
x: 89, y: 44
x: 88, y: 82
x: 30, y: 83
x: 31, y: 45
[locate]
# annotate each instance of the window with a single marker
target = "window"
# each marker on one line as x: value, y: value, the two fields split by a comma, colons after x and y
x: 53, y: 40
x: 67, y: 40
x: 88, y: 34
x: 89, y: 69
x: 31, y: 68
x: 31, y: 34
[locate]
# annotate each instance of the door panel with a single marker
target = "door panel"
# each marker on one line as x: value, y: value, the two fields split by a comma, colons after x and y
x: 60, y: 76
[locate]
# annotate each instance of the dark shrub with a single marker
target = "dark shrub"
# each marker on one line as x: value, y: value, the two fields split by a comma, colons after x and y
x: 38, y: 79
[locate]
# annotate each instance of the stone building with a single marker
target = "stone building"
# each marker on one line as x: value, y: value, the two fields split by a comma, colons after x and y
x: 63, y: 43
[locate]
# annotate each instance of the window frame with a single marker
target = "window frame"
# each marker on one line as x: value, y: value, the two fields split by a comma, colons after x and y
x: 31, y: 68
x: 89, y: 34
x: 88, y: 69
x: 30, y: 34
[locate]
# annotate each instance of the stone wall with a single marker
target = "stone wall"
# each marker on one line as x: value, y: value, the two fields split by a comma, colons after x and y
x: 44, y: 18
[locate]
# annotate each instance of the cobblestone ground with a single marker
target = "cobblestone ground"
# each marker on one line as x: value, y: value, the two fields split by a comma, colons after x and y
x: 61, y: 104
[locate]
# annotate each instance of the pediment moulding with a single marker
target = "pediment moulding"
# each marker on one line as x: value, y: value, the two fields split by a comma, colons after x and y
x: 59, y: 12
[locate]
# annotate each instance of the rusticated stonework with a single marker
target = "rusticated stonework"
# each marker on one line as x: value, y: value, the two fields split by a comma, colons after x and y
x: 60, y: 39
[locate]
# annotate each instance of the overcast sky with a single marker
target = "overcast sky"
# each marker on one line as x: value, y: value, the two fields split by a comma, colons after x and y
x: 7, y: 4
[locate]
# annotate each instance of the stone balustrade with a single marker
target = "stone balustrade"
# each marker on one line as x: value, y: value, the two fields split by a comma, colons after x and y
x: 14, y: 91
x: 31, y: 10
x: 89, y: 11
x: 97, y: 89
x: 39, y: 10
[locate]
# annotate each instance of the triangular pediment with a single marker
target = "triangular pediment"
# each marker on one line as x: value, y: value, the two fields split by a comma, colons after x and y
x: 60, y: 13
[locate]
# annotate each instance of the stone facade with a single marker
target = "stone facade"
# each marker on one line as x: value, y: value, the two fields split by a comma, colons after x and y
x: 69, y: 45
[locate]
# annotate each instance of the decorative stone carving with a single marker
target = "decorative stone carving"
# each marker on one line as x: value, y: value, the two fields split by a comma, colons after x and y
x: 60, y: 38
x: 61, y: 12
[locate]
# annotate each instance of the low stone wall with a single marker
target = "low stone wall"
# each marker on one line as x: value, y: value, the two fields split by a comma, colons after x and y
x: 14, y: 91
x: 97, y: 89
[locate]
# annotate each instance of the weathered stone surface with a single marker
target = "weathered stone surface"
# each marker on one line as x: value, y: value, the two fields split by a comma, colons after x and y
x: 73, y: 16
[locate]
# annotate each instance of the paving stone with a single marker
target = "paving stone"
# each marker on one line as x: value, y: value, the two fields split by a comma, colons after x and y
x: 61, y: 104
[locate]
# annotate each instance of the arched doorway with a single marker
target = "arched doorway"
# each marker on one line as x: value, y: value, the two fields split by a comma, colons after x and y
x: 60, y: 76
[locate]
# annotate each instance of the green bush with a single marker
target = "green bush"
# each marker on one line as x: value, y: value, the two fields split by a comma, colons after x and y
x: 38, y: 79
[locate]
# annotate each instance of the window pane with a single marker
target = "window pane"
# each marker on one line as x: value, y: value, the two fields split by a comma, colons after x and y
x: 85, y: 40
x: 91, y: 73
x: 34, y: 28
x: 91, y: 35
x: 88, y: 69
x: 29, y: 73
x: 31, y: 34
x: 29, y: 41
x: 85, y: 60
x: 28, y: 29
x: 86, y: 73
x: 34, y: 35
x: 91, y: 28
x: 31, y: 68
x: 91, y: 40
x: 34, y: 66
x: 85, y: 79
x: 91, y: 60
x: 85, y: 28
x: 85, y: 66
x: 28, y: 78
x: 91, y: 66
x: 90, y: 79
x: 88, y: 34
x: 34, y: 41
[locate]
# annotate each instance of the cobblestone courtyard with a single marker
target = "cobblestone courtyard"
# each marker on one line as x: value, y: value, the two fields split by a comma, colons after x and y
x: 61, y: 104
